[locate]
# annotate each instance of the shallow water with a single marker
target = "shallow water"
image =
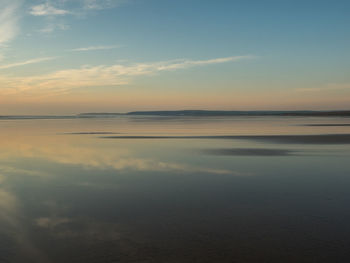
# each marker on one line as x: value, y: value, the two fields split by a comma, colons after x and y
x: 177, y: 189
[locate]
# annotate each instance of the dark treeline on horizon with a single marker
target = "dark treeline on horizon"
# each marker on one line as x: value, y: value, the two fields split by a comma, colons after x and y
x: 193, y: 113
x: 228, y: 113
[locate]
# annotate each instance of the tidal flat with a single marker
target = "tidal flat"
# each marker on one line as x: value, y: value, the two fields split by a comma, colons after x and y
x: 181, y: 189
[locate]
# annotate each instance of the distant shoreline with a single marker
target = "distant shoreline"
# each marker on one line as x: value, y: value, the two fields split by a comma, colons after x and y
x: 241, y: 113
x: 184, y: 113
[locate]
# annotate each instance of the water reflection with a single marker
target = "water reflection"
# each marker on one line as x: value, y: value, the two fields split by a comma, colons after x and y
x: 89, y: 154
x: 299, y: 139
x: 68, y: 196
x: 250, y: 152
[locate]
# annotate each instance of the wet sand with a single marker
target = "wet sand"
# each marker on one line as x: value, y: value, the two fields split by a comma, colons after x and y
x: 293, y: 139
x: 156, y: 192
x: 250, y: 152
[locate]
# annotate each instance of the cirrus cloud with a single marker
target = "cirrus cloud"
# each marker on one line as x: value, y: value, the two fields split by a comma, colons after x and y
x: 27, y: 62
x: 100, y: 76
x: 101, y: 4
x: 8, y: 20
x: 47, y: 9
x: 93, y: 48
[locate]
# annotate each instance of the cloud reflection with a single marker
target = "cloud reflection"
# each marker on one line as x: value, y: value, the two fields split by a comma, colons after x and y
x: 250, y: 152
x: 91, y: 154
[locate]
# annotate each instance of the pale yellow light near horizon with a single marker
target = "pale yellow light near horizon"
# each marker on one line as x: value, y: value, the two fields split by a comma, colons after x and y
x: 129, y: 100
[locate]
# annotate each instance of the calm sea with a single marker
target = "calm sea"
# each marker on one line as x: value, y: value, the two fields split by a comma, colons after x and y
x: 175, y: 189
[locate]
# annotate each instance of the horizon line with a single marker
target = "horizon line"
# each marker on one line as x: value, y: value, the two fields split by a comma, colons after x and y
x: 189, y: 112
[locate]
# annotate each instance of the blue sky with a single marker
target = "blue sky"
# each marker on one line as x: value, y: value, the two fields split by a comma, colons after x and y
x: 67, y: 56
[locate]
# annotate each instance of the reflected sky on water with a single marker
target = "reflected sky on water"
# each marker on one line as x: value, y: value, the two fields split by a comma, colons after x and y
x: 69, y: 194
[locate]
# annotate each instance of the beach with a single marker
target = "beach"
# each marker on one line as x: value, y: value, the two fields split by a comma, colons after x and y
x: 179, y: 189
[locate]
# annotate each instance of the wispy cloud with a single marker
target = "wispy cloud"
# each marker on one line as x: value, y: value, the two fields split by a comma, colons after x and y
x: 328, y: 87
x: 53, y: 26
x: 27, y: 62
x: 100, y: 76
x: 181, y: 64
x: 76, y: 7
x: 101, y: 4
x: 8, y: 20
x: 8, y: 23
x: 50, y: 10
x: 47, y: 9
x: 55, y: 11
x: 92, y: 48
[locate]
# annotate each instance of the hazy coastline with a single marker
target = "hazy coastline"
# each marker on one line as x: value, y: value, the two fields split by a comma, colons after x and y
x: 189, y: 113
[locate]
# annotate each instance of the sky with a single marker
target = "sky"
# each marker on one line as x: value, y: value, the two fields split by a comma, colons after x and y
x: 73, y: 56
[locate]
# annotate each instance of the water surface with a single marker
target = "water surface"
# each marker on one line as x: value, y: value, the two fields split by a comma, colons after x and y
x: 179, y: 189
